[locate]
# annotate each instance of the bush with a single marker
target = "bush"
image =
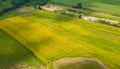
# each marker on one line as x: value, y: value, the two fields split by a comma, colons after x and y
x: 103, y: 22
x: 72, y: 10
x: 108, y: 23
x: 79, y: 6
x: 76, y: 11
x: 115, y: 25
x: 64, y: 13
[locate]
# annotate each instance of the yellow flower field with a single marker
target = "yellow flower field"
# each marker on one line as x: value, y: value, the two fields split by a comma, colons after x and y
x: 53, y: 36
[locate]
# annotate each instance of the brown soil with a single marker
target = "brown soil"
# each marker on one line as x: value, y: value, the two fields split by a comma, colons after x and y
x: 78, y: 63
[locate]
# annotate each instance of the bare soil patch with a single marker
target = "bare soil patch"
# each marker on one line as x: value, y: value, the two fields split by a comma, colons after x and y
x: 78, y: 63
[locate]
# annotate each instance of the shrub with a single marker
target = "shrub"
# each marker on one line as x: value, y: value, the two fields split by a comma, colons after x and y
x: 103, y: 22
x: 72, y: 10
x: 76, y: 11
x: 79, y: 6
x: 108, y: 23
x: 68, y: 14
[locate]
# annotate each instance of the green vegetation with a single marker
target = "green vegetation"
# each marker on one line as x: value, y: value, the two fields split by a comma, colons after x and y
x: 108, y: 23
x: 110, y: 6
x: 14, y: 55
x: 87, y: 65
x: 78, y: 63
x: 6, y: 5
x: 32, y: 38
x: 18, y: 11
x: 79, y: 6
x: 94, y: 13
x: 53, y: 36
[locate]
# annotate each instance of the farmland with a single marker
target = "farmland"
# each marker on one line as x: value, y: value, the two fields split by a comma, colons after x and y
x: 14, y: 55
x: 57, y: 36
x: 110, y: 6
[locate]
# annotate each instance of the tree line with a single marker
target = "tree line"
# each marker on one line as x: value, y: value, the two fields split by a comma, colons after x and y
x: 6, y: 5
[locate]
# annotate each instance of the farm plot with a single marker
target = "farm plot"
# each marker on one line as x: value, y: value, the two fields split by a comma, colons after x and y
x: 99, y: 5
x: 53, y: 36
x: 14, y: 55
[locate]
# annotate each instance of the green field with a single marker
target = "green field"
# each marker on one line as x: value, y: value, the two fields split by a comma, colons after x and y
x: 14, y: 55
x: 95, y: 14
x: 110, y: 6
x: 56, y: 36
x: 18, y: 11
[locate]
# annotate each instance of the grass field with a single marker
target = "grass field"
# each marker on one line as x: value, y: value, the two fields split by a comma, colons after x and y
x: 96, y: 14
x: 110, y: 6
x: 5, y: 4
x: 53, y: 36
x: 14, y: 55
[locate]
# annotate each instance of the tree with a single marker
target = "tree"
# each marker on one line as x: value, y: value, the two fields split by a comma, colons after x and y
x: 12, y: 4
x: 39, y: 2
x: 79, y: 6
x: 3, y: 0
x: 37, y: 7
